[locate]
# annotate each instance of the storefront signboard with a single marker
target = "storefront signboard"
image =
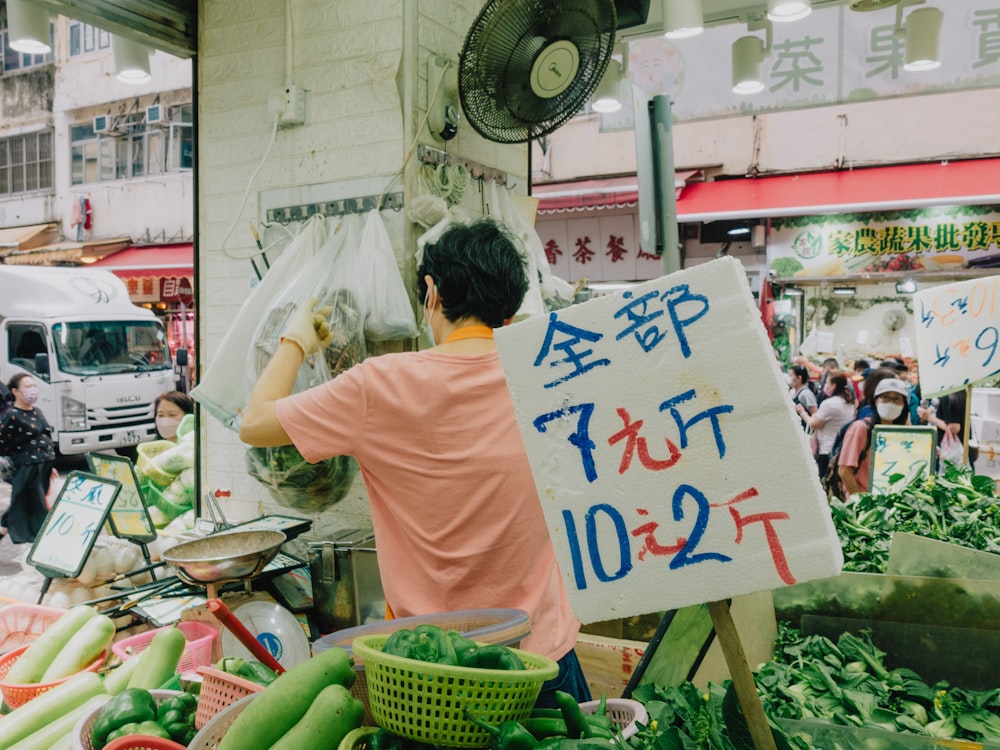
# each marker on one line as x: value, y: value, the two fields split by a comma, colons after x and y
x: 669, y: 463
x: 938, y: 240
x: 958, y: 334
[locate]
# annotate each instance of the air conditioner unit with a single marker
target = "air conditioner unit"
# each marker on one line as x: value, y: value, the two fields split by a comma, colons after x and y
x: 154, y: 114
x: 102, y: 124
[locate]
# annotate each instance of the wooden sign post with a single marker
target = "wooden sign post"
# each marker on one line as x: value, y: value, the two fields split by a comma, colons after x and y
x: 670, y: 465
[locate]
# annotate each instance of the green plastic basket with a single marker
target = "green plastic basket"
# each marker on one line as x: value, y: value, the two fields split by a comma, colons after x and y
x: 429, y: 702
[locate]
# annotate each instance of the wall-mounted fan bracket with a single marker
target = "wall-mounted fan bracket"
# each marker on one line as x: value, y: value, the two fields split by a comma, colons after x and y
x: 442, y: 98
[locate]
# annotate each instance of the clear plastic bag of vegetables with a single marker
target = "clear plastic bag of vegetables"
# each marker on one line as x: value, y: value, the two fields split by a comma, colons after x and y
x: 334, y: 278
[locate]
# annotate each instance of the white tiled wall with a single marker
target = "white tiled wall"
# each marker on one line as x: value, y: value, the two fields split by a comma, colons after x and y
x: 364, y: 66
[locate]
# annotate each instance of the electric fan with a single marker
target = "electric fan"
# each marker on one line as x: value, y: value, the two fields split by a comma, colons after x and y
x: 894, y: 320
x: 528, y: 66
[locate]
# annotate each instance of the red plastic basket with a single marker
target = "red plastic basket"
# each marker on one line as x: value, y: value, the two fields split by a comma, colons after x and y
x: 197, y: 651
x: 218, y: 690
x: 143, y: 742
x: 20, y: 624
x: 15, y: 695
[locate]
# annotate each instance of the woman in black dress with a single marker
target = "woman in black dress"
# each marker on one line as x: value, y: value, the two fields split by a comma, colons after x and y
x: 24, y: 438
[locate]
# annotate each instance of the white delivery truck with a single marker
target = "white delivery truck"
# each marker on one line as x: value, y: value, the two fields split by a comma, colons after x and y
x: 99, y: 361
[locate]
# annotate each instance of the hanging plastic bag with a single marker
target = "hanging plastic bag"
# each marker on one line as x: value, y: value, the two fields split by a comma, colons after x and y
x: 390, y: 315
x: 217, y: 391
x: 335, y: 277
x: 951, y: 449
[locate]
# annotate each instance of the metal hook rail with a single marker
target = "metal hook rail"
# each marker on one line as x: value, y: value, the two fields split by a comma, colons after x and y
x: 430, y: 155
x: 359, y: 205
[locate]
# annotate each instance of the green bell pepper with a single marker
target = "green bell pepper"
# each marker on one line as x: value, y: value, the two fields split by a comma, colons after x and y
x: 494, y: 656
x: 508, y: 735
x: 424, y: 643
x: 383, y: 739
x: 130, y: 706
x: 176, y: 715
x: 149, y: 728
x: 464, y: 648
x: 248, y: 670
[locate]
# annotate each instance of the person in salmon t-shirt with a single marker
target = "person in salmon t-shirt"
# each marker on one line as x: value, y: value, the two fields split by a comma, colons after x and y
x: 458, y: 523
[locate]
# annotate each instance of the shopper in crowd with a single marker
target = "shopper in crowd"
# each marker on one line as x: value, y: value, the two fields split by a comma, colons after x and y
x: 828, y: 366
x: 889, y: 398
x: 24, y: 438
x: 456, y: 514
x: 799, y: 389
x: 835, y: 411
x: 170, y: 408
x: 948, y: 416
x: 902, y: 372
x: 862, y: 368
x: 866, y: 407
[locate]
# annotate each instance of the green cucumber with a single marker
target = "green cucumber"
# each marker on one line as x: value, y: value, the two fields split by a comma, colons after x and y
x: 54, y: 731
x: 332, y: 714
x: 279, y: 706
x: 47, y: 707
x: 89, y: 642
x: 117, y: 679
x: 31, y: 665
x: 159, y: 659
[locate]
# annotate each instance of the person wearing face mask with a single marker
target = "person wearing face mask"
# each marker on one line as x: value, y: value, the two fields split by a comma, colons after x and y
x: 890, y: 399
x: 458, y: 523
x: 170, y: 408
x: 24, y: 438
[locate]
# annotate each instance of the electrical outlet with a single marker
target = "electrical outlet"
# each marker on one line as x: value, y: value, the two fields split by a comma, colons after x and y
x: 289, y: 102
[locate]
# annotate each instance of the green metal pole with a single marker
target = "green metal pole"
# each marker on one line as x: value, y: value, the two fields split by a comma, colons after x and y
x: 663, y: 154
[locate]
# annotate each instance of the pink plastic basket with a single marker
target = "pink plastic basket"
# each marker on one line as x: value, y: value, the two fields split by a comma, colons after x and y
x: 197, y: 652
x: 20, y: 624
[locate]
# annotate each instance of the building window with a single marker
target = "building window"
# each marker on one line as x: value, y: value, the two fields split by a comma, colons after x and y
x: 84, y: 38
x: 26, y: 163
x: 132, y: 147
x: 14, y: 60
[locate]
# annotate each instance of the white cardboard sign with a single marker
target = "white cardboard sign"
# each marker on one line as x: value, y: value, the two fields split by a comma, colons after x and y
x: 670, y: 465
x: 958, y: 334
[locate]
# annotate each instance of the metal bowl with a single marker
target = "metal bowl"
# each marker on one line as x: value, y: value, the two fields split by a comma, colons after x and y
x: 229, y: 556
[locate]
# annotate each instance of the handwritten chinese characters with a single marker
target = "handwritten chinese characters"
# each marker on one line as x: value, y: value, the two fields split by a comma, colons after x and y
x: 958, y: 334
x: 664, y: 447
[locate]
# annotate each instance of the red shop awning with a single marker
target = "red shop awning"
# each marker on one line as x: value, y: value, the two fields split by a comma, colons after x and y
x: 959, y: 183
x: 587, y: 195
x: 153, y: 261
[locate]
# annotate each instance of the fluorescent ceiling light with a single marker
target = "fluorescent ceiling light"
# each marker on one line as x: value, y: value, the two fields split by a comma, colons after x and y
x: 682, y: 18
x: 28, y: 28
x: 738, y: 230
x: 782, y: 11
x: 793, y: 291
x: 906, y: 286
x: 131, y: 60
x: 748, y: 65
x: 844, y: 291
x: 922, y: 49
x: 608, y: 95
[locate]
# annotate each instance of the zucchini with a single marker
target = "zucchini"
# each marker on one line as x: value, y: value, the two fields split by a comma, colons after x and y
x: 159, y: 659
x: 332, y: 714
x: 117, y: 679
x: 279, y: 706
x: 89, y: 642
x: 48, y: 735
x: 47, y: 707
x: 31, y: 665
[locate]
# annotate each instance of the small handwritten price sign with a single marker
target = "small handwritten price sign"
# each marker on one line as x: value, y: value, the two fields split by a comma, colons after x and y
x: 129, y: 517
x: 900, y: 451
x: 958, y: 334
x: 72, y: 525
x: 669, y: 463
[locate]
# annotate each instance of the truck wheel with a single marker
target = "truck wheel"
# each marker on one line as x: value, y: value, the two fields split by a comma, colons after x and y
x: 130, y: 452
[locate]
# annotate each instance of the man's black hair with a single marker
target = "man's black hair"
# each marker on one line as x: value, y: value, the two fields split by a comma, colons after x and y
x: 478, y: 271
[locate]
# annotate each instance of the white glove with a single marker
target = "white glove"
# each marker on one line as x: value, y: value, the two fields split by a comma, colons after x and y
x: 309, y: 328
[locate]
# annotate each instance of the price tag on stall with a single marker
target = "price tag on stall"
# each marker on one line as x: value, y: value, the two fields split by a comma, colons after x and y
x: 901, y: 449
x: 670, y: 465
x: 129, y: 517
x: 72, y: 525
x: 958, y: 334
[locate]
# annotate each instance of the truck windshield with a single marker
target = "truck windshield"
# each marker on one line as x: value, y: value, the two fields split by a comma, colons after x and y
x: 111, y: 346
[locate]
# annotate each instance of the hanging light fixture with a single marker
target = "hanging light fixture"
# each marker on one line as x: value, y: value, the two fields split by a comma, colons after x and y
x: 788, y: 10
x: 131, y: 60
x: 28, y: 28
x: 748, y: 65
x: 922, y: 34
x: 682, y: 18
x: 608, y: 95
